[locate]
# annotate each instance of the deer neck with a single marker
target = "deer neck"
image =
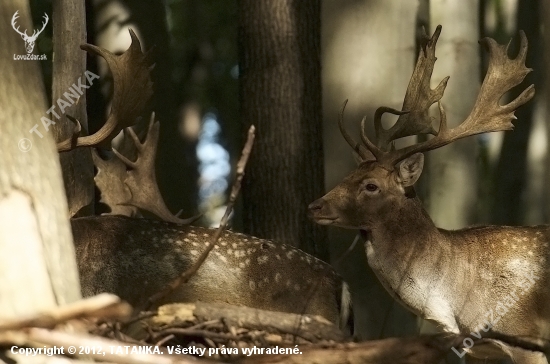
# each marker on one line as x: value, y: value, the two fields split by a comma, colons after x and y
x: 403, y: 230
x: 405, y: 249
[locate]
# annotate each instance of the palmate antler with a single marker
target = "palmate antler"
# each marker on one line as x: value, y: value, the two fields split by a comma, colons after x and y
x: 486, y: 116
x: 126, y: 186
x: 132, y: 90
x: 140, y: 175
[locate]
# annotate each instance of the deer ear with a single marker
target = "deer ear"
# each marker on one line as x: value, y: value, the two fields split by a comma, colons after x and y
x: 411, y: 169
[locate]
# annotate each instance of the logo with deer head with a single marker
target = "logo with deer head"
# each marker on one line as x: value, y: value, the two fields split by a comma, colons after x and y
x: 29, y: 40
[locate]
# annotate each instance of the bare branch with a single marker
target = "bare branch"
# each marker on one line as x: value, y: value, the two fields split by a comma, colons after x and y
x: 185, y: 276
x: 104, y: 305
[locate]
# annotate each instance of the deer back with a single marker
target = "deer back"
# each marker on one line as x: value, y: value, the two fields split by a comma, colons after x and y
x: 135, y: 258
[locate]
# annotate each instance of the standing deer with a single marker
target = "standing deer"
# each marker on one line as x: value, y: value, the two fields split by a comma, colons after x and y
x: 467, y: 281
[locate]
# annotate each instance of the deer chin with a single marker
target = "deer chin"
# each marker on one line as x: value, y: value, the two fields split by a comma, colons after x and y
x: 333, y: 221
x: 326, y: 220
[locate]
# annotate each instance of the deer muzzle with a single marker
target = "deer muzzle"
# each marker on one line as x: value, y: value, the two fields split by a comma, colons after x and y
x: 320, y: 212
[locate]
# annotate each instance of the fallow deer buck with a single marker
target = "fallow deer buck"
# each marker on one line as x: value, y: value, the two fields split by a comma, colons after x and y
x: 460, y: 279
x: 136, y: 258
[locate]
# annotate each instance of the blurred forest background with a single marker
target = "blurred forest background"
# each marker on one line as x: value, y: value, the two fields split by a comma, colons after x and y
x: 361, y: 50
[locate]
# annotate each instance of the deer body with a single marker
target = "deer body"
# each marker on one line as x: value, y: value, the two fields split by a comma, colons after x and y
x: 136, y: 258
x: 476, y: 269
x: 476, y: 285
x: 467, y: 281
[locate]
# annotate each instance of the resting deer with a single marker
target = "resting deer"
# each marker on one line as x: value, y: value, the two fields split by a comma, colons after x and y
x: 136, y: 258
x: 468, y: 281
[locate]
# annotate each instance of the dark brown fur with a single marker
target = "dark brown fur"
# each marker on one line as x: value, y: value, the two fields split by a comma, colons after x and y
x: 135, y: 258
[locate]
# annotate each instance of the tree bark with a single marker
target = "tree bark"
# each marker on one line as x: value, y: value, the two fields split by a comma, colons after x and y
x: 280, y: 93
x: 37, y: 259
x: 69, y: 64
x: 545, y: 42
x: 452, y: 171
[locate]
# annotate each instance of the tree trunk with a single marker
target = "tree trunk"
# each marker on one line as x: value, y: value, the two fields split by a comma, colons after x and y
x: 451, y: 171
x: 280, y: 93
x: 37, y: 259
x: 69, y: 64
x: 368, y: 57
x: 545, y: 19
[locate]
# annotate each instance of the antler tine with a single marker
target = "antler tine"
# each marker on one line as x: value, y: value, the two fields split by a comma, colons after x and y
x: 132, y: 90
x: 141, y: 180
x: 487, y: 115
x: 438, y: 141
x: 378, y: 129
x: 418, y: 98
x: 355, y: 146
x: 377, y: 152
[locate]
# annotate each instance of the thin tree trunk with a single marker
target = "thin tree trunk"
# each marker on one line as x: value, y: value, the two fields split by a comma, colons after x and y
x: 368, y: 58
x: 451, y: 171
x: 281, y: 94
x: 69, y: 64
x: 37, y: 259
x: 545, y: 19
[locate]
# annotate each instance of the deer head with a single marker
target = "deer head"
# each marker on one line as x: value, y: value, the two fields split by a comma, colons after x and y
x: 384, y: 179
x: 29, y: 40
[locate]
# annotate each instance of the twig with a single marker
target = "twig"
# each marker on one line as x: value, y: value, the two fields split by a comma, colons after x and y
x: 210, y: 324
x: 141, y: 316
x: 103, y: 305
x: 185, y: 276
x: 164, y: 340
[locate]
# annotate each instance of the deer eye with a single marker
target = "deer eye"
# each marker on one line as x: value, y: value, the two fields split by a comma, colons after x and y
x: 371, y: 187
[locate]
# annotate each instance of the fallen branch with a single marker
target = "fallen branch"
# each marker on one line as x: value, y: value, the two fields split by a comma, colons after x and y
x: 104, y: 305
x: 308, y: 327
